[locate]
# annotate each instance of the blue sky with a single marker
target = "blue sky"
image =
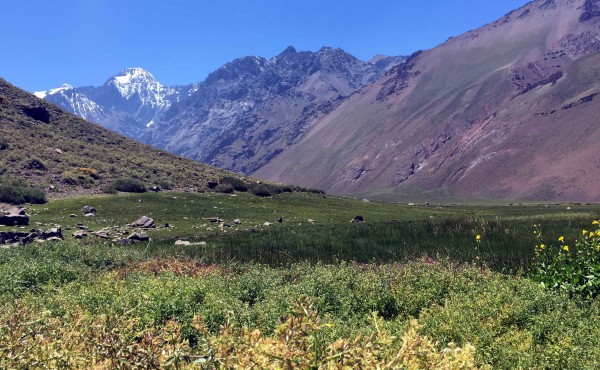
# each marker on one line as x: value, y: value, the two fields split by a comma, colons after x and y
x: 83, y: 42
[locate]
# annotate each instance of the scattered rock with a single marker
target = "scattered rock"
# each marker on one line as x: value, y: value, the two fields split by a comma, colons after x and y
x: 311, y: 220
x: 280, y: 220
x: 267, y: 224
x: 21, y: 237
x: 155, y: 188
x: 214, y: 219
x: 79, y: 234
x: 52, y: 239
x: 55, y: 232
x: 14, y: 217
x: 237, y: 221
x: 365, y: 201
x: 88, y: 211
x: 72, y: 215
x: 144, y: 222
x: 358, y: 219
x: 186, y: 243
x: 411, y: 204
x: 139, y: 237
x: 102, y: 234
x: 10, y: 237
x: 123, y: 241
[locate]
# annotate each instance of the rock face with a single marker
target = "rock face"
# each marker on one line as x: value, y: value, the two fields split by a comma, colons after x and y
x: 248, y: 111
x: 509, y: 110
x: 242, y: 116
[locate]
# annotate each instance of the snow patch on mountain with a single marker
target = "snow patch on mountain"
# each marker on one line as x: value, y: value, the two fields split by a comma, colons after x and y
x: 43, y: 94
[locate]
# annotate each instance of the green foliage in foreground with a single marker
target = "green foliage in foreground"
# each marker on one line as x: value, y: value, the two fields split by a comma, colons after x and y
x: 572, y: 268
x: 511, y: 322
x: 153, y: 304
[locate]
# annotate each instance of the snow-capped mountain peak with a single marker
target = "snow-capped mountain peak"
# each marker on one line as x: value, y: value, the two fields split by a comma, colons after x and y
x: 133, y: 81
x: 43, y: 94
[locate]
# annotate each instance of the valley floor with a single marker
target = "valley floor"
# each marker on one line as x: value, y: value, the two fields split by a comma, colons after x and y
x: 411, y: 287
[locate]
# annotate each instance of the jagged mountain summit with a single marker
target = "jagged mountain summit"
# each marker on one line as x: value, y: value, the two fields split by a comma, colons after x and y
x: 510, y: 110
x: 241, y: 117
x: 248, y: 111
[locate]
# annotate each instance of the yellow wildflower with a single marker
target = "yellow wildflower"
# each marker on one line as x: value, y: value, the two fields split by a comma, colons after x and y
x: 561, y: 239
x: 478, y: 237
x: 595, y: 222
x: 566, y: 248
x: 542, y: 246
x: 584, y: 231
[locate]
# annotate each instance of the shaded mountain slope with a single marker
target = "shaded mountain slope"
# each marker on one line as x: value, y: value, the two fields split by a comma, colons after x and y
x: 246, y: 112
x: 509, y: 110
x: 59, y: 151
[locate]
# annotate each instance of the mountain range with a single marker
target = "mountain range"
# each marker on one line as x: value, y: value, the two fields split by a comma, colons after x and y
x: 240, y: 117
x: 509, y: 110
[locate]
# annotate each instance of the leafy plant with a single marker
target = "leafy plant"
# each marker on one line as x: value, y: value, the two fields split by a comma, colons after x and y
x: 572, y: 267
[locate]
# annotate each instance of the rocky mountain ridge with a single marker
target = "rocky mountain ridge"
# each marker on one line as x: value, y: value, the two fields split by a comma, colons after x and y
x: 242, y: 115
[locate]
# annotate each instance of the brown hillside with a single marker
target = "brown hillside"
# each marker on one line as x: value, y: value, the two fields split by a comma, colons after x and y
x: 511, y: 110
x: 62, y: 153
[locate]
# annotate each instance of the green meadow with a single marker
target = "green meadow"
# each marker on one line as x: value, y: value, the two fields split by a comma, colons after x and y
x: 295, y: 284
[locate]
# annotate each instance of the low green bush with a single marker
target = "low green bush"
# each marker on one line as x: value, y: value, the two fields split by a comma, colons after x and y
x: 260, y: 190
x: 127, y: 185
x: 18, y: 192
x: 225, y: 188
x: 233, y: 183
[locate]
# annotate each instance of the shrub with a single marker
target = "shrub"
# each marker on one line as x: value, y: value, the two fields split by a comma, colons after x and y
x: 128, y: 185
x: 574, y: 268
x: 225, y: 188
x: 235, y: 184
x: 35, y: 164
x: 18, y: 192
x: 164, y: 185
x: 261, y: 190
x: 80, y: 176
